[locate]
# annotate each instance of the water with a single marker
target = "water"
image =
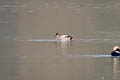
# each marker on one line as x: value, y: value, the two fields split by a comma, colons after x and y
x: 29, y: 51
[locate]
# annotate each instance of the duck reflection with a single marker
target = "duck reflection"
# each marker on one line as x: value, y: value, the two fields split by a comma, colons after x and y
x: 116, y: 68
x: 63, y: 47
x: 63, y: 44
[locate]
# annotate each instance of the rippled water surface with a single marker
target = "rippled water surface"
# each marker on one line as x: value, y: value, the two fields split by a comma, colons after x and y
x: 29, y: 51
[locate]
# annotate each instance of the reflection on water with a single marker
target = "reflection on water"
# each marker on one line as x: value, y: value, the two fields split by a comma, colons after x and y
x: 63, y: 44
x: 63, y: 47
x: 116, y: 68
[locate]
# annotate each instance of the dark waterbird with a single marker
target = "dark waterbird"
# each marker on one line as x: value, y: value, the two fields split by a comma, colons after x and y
x: 116, y: 51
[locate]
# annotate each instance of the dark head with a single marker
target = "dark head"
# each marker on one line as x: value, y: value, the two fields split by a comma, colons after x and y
x: 58, y: 34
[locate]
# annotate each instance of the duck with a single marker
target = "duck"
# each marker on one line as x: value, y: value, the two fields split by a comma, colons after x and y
x: 116, y: 51
x: 63, y: 37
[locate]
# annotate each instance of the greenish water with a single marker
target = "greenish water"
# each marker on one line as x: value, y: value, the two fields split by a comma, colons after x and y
x: 29, y: 51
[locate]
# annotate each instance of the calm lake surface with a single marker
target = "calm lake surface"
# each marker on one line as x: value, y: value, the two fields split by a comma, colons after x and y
x: 29, y: 51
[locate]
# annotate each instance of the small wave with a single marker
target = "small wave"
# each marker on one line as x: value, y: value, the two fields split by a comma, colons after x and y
x: 75, y: 40
x: 102, y: 56
x: 98, y: 40
x: 89, y: 56
x: 42, y: 40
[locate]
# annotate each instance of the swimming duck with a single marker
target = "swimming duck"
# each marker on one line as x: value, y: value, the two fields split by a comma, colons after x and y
x: 63, y: 37
x: 116, y: 51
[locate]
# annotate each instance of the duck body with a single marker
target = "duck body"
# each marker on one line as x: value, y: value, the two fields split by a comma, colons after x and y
x: 63, y: 37
x: 116, y: 51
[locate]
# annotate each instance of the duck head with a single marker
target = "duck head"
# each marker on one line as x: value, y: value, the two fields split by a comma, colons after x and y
x: 58, y: 34
x: 115, y: 48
